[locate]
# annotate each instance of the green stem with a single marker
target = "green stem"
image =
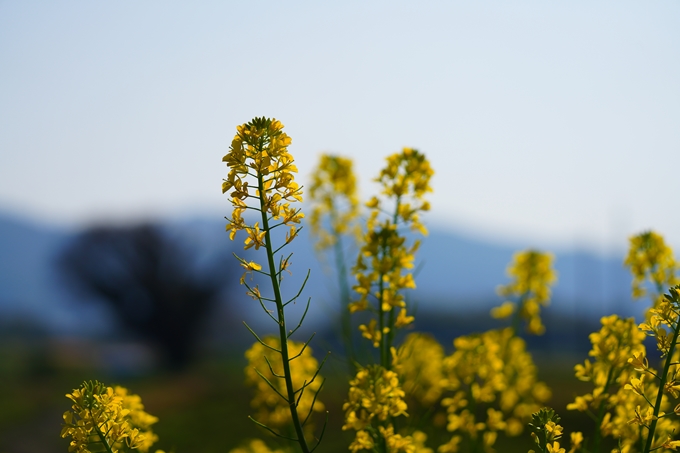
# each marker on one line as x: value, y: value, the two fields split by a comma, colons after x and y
x: 472, y: 407
x: 642, y: 442
x: 662, y: 384
x: 101, y: 436
x: 390, y: 335
x: 381, y: 314
x: 283, y: 337
x: 345, y: 318
x: 517, y: 317
x: 382, y: 442
x: 601, y: 411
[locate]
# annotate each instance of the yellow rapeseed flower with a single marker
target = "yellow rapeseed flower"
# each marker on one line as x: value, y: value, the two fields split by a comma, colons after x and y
x: 102, y: 418
x: 493, y: 370
x: 139, y: 418
x: 554, y: 447
x: 576, y: 441
x: 375, y: 399
x: 419, y: 364
x: 374, y: 395
x: 620, y: 395
x: 649, y: 257
x: 335, y: 201
x: 671, y: 444
x: 546, y: 431
x: 532, y: 276
x: 261, y: 168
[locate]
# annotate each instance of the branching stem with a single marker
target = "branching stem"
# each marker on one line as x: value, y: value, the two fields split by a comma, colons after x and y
x: 662, y: 384
x: 283, y: 337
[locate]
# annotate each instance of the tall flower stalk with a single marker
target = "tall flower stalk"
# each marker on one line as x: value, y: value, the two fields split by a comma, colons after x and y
x: 631, y: 400
x: 664, y: 326
x: 383, y: 273
x: 383, y: 266
x: 259, y: 155
x: 610, y: 405
x: 333, y: 220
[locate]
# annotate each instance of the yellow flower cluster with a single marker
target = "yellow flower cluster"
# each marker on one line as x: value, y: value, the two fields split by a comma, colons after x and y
x: 532, y: 275
x: 664, y: 426
x: 138, y: 417
x: 384, y: 258
x: 375, y: 393
x: 406, y: 178
x: 650, y: 257
x: 259, y: 153
x: 663, y: 325
x: 103, y: 419
x: 419, y: 364
x: 610, y: 403
x: 333, y: 192
x: 375, y: 397
x: 264, y: 362
x: 546, y: 431
x: 495, y: 388
x: 389, y: 442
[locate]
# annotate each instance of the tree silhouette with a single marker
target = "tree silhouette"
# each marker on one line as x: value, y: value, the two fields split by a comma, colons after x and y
x: 153, y: 283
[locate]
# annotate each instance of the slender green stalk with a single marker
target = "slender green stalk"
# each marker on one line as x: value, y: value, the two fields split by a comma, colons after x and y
x: 102, y: 437
x: 662, y: 384
x: 345, y: 318
x: 517, y: 316
x: 381, y: 314
x: 388, y: 339
x: 283, y: 337
x: 602, y: 410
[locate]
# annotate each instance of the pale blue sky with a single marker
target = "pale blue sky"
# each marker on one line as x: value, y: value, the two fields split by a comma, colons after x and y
x: 551, y: 123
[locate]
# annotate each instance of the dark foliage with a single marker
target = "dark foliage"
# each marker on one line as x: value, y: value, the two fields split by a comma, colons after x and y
x: 154, y: 283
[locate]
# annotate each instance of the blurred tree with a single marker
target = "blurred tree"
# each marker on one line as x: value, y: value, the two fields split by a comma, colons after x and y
x: 153, y: 282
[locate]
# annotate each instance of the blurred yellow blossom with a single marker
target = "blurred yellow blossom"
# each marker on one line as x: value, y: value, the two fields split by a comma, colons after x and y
x: 374, y: 394
x: 333, y: 194
x: 375, y: 400
x: 576, y: 441
x: 419, y: 364
x: 138, y: 417
x: 532, y: 276
x: 491, y: 370
x: 335, y: 214
x: 650, y: 258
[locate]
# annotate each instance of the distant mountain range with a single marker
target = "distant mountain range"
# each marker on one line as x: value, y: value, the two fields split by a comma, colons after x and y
x: 455, y: 274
